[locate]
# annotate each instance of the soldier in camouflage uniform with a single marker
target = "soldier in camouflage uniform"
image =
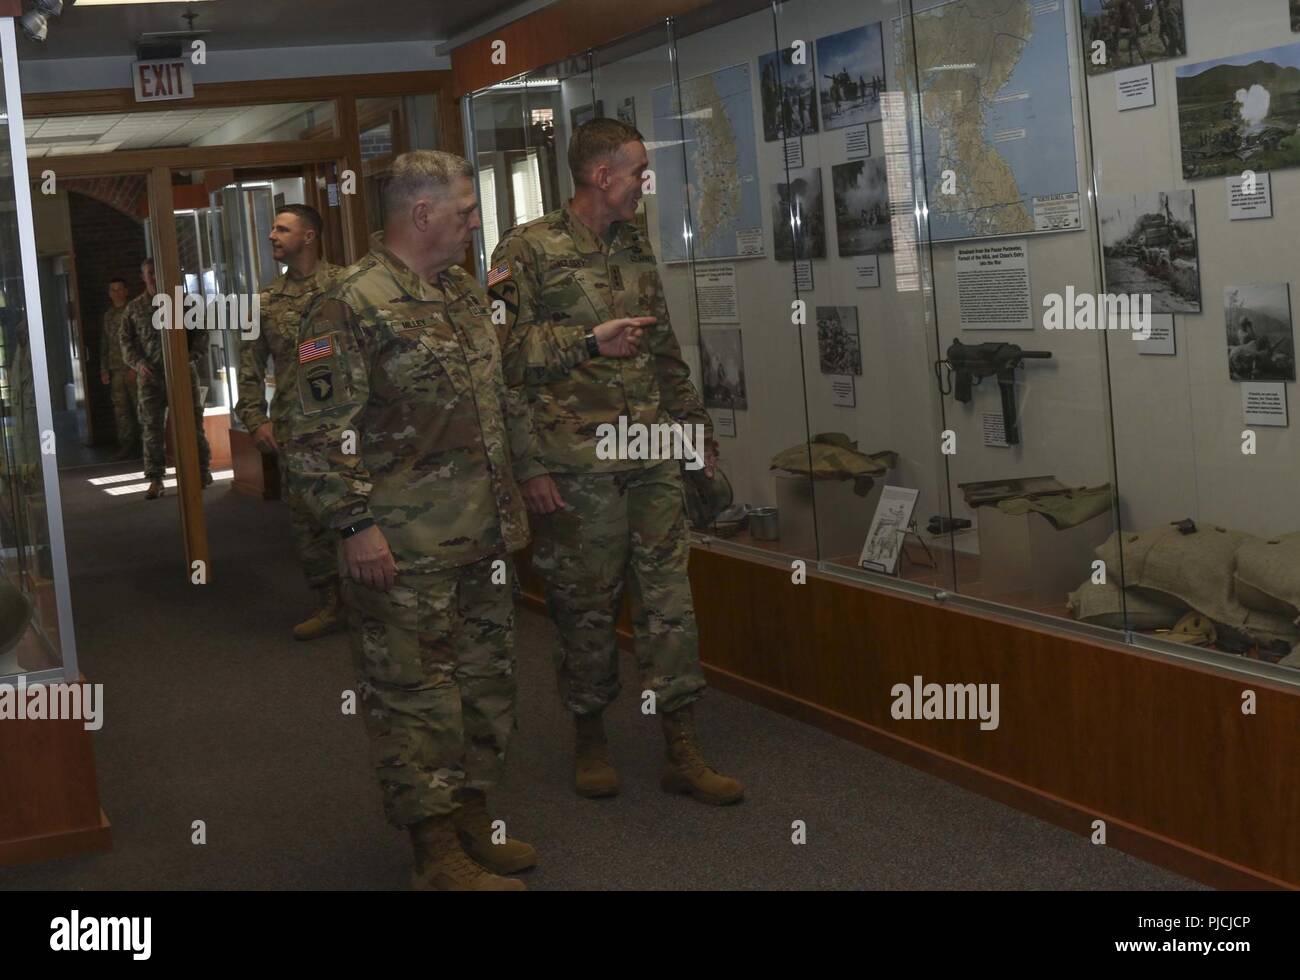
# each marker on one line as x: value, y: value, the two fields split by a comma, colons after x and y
x: 606, y: 525
x: 409, y: 445
x: 142, y: 350
x: 114, y: 372
x: 295, y: 241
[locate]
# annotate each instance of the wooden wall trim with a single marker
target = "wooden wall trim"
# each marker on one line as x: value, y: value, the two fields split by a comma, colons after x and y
x: 11, y: 8
x: 556, y: 32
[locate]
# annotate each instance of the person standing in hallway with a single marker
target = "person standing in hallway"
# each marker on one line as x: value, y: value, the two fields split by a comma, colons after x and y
x: 117, y: 374
x: 409, y: 446
x: 142, y: 349
x: 295, y: 241
x: 606, y: 525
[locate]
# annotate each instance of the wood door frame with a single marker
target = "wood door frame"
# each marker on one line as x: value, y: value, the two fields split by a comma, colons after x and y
x: 344, y: 149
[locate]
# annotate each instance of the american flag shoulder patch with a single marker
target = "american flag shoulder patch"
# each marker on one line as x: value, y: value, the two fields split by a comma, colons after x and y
x: 500, y: 274
x: 315, y: 349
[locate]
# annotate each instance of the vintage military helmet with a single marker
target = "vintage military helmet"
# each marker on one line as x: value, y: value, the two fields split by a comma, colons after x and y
x: 706, y: 497
x: 15, y: 614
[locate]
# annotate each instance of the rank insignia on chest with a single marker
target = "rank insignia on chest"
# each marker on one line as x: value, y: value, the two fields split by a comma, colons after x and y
x: 321, y: 381
x: 315, y: 349
x: 475, y: 306
x: 615, y: 278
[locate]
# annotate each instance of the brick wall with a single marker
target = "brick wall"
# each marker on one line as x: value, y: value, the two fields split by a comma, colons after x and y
x: 107, y: 244
x: 129, y: 194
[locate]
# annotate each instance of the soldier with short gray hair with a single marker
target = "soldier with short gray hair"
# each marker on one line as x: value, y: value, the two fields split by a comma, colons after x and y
x: 409, y: 447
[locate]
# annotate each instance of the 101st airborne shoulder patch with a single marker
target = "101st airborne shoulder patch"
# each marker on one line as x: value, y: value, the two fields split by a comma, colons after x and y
x: 320, y: 377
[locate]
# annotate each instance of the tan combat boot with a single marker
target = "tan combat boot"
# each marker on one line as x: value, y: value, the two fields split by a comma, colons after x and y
x: 330, y: 618
x: 593, y: 774
x: 155, y: 490
x: 442, y: 866
x: 686, y: 771
x: 474, y: 827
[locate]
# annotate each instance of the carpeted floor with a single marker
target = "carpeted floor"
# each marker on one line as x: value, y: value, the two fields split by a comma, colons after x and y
x: 213, y: 713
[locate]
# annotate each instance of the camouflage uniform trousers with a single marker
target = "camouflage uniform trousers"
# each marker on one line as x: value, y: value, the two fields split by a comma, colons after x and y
x: 317, y: 546
x: 153, y: 420
x: 616, y: 529
x: 436, y: 668
x: 125, y: 413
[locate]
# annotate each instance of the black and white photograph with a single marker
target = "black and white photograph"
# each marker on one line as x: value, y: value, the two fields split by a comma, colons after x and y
x: 838, y: 347
x: 1134, y: 32
x: 1295, y: 15
x: 585, y: 114
x: 627, y: 111
x: 862, y: 224
x: 789, y: 93
x: 850, y: 76
x: 799, y: 218
x: 724, y: 369
x: 1150, y: 246
x: 1260, y: 343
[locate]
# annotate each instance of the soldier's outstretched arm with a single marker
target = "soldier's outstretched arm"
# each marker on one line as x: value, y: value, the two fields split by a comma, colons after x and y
x: 333, y: 387
x: 251, y: 407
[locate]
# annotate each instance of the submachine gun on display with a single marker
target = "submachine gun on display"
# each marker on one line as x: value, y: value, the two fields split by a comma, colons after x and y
x: 972, y: 363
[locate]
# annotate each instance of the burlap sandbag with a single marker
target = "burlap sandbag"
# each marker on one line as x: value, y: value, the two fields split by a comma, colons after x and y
x: 1102, y: 605
x: 1197, y: 570
x: 1268, y: 575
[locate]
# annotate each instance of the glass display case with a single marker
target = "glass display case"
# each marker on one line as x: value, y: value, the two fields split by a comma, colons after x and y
x: 36, y: 638
x: 987, y: 298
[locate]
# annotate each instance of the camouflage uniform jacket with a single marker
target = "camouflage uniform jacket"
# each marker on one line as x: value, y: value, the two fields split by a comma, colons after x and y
x: 140, y: 340
x: 561, y: 280
x: 282, y: 306
x: 413, y: 368
x: 110, y: 345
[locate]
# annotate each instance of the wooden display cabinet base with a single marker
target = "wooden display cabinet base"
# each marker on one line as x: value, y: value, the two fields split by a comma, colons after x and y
x: 50, y: 805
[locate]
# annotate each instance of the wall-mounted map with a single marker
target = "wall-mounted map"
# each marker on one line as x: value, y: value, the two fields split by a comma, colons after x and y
x: 716, y: 123
x: 997, y: 121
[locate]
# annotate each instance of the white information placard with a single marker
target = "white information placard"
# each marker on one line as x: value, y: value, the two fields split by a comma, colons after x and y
x: 993, y: 286
x: 1161, y: 338
x: 857, y: 142
x: 724, y: 422
x: 842, y: 391
x: 995, y: 432
x: 1264, y: 403
x: 1246, y: 202
x: 888, y: 528
x: 715, y: 290
x: 866, y: 271
x: 1135, y: 88
x: 803, y: 277
x: 794, y: 153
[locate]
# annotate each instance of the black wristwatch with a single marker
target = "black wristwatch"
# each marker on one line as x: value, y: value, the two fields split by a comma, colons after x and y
x: 357, y: 528
x: 593, y: 345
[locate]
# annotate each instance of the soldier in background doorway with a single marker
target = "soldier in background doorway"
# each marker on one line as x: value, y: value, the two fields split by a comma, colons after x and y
x: 295, y: 241
x: 117, y: 374
x: 142, y: 350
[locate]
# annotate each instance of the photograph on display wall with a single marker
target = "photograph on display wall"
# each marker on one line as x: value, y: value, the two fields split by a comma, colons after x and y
x: 1149, y: 244
x: 838, y: 346
x: 798, y: 218
x: 586, y: 113
x: 1295, y: 15
x: 789, y: 94
x: 1134, y: 32
x: 1240, y: 113
x: 1260, y: 344
x: 862, y: 220
x: 850, y: 76
x: 723, y: 364
x: 627, y: 111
